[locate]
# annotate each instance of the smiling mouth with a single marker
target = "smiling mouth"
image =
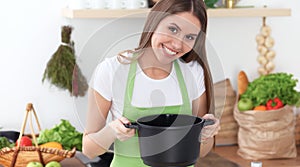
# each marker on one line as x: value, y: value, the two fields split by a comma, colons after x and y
x: 169, y: 51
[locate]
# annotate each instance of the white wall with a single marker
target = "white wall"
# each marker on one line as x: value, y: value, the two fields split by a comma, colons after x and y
x: 30, y: 34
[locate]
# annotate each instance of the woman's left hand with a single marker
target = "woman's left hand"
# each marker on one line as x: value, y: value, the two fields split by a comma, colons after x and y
x: 210, y: 131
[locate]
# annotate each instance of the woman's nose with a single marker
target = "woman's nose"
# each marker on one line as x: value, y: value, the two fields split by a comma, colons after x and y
x: 177, y: 43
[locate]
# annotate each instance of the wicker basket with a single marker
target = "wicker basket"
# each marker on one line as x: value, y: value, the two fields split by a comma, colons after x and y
x: 20, y: 156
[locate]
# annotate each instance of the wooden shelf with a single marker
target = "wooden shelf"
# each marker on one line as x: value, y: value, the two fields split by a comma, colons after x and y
x: 103, y: 13
x: 141, y: 13
x: 249, y: 12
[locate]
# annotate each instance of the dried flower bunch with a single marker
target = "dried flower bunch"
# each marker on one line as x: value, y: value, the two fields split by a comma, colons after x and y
x: 62, y: 69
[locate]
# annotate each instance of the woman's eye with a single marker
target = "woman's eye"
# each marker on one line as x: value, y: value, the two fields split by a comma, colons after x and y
x: 173, y: 29
x: 190, y: 37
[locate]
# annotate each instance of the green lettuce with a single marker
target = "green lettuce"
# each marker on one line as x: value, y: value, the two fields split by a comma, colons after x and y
x: 266, y: 87
x: 4, y: 142
x: 64, y: 133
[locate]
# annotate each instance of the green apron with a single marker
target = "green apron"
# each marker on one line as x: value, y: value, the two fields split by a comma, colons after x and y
x: 127, y: 153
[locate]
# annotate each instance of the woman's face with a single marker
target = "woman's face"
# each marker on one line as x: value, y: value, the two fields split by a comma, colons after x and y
x: 174, y: 36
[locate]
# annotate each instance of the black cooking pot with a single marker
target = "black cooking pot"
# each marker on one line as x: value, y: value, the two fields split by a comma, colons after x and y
x: 169, y: 140
x: 11, y: 135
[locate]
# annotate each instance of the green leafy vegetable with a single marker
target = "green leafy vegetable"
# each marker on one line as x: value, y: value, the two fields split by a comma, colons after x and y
x: 266, y: 87
x: 210, y: 3
x: 4, y: 142
x: 63, y: 133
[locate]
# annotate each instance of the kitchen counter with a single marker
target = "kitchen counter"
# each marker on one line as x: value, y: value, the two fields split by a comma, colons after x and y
x: 71, y: 162
x: 230, y: 153
x: 225, y: 155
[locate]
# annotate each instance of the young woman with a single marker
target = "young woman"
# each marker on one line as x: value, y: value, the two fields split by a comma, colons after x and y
x: 167, y: 73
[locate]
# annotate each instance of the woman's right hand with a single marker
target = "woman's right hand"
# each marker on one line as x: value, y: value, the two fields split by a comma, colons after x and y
x: 121, y: 132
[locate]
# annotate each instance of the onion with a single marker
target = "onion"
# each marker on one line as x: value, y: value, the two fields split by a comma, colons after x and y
x: 262, y: 60
x: 270, y: 55
x: 260, y: 39
x: 262, y: 71
x: 270, y: 66
x: 262, y: 49
x: 265, y: 30
x: 269, y: 42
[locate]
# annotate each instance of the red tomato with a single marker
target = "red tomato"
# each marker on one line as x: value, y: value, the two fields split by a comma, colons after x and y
x: 25, y: 141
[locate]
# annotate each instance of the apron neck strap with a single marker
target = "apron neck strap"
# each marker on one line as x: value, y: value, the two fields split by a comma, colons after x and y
x: 183, y: 89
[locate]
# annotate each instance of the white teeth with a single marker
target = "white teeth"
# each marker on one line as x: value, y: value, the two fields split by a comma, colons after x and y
x: 169, y: 51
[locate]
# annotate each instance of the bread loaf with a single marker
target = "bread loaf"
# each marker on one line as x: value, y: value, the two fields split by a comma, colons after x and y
x: 242, y: 82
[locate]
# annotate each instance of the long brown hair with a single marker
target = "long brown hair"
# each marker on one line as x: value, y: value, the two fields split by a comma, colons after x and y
x: 164, y: 8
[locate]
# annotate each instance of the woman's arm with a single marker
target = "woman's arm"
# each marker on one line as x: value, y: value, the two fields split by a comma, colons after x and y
x: 200, y: 109
x: 95, y: 130
x: 98, y: 136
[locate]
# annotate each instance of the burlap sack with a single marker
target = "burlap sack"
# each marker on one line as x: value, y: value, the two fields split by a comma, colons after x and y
x: 266, y: 134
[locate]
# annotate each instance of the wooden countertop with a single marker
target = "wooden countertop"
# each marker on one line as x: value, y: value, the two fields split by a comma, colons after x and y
x: 227, y: 152
x: 71, y: 162
x: 230, y: 153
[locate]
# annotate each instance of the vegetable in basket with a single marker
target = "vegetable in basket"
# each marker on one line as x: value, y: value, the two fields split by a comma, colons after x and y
x: 4, y: 142
x: 266, y: 87
x: 52, y: 144
x: 63, y: 133
x: 25, y: 141
x: 274, y: 104
x: 260, y: 108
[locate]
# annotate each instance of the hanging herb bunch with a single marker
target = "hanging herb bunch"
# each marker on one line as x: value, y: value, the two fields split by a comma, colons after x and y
x: 62, y: 70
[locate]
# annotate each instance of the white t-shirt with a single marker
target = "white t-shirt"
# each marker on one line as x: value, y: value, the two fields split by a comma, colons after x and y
x: 110, y: 79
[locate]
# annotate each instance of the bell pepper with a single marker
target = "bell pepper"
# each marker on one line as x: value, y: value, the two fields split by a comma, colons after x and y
x: 274, y: 104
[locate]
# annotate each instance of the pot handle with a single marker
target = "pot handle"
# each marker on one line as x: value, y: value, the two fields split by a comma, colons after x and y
x: 133, y: 125
x: 208, y: 122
